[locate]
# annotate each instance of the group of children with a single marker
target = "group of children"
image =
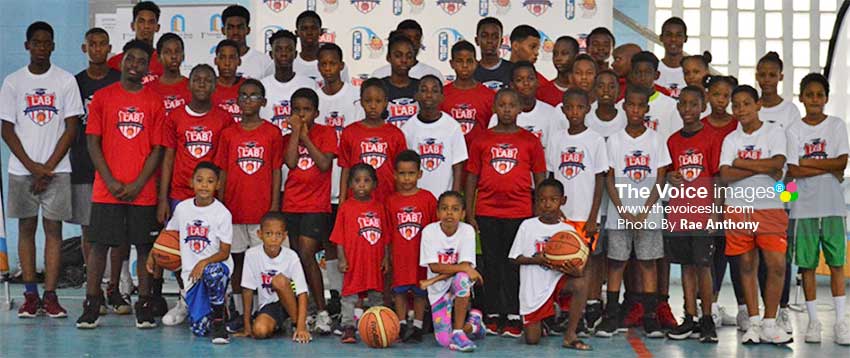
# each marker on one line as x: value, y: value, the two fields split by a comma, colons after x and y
x: 263, y: 162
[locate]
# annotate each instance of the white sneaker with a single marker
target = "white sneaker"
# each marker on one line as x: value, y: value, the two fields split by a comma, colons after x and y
x: 715, y: 316
x: 813, y: 332
x: 783, y: 320
x: 177, y: 314
x: 752, y: 334
x: 725, y: 317
x: 323, y: 323
x: 842, y: 333
x: 743, y: 321
x: 774, y: 334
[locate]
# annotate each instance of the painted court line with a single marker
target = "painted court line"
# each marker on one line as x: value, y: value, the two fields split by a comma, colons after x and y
x: 637, y: 344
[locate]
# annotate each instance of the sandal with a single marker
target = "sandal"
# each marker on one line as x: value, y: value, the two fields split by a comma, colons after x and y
x: 578, y: 345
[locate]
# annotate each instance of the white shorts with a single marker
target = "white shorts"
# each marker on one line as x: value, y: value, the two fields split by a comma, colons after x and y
x: 245, y: 237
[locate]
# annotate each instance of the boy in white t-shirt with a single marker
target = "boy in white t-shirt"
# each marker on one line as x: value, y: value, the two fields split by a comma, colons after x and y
x: 236, y: 25
x: 662, y: 116
x: 206, y: 232
x: 437, y: 138
x: 275, y: 272
x: 537, y: 117
x: 308, y: 27
x: 540, y: 281
x: 674, y: 34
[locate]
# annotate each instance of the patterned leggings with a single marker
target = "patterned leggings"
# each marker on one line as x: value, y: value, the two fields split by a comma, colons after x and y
x: 441, y: 311
x: 215, y: 279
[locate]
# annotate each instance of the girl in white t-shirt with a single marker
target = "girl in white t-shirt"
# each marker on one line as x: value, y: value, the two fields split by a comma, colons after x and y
x: 774, y: 109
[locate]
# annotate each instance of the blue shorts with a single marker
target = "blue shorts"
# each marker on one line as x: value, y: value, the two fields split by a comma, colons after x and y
x: 415, y: 289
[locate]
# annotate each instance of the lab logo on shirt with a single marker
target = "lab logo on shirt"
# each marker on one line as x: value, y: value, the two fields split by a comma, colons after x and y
x: 250, y: 157
x: 281, y: 111
x: 691, y: 164
x: 537, y: 7
x: 400, y: 110
x: 198, y: 141
x: 197, y: 236
x: 409, y: 222
x: 650, y: 122
x: 277, y: 5
x: 373, y: 151
x: 267, y: 277
x: 637, y: 166
x: 335, y: 121
x: 230, y: 106
x: 494, y: 85
x: 172, y: 102
x: 464, y: 114
x: 815, y: 149
x: 540, y: 244
x: 572, y: 162
x: 749, y: 152
x: 451, y: 7
x: 447, y: 256
x: 305, y: 161
x: 130, y: 122
x: 370, y: 227
x: 432, y: 154
x: 41, y: 106
x: 504, y: 157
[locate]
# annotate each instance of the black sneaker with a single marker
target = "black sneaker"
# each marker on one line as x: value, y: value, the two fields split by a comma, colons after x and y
x: 334, y: 305
x: 684, y: 330
x: 608, y: 326
x: 144, y: 314
x: 593, y: 314
x: 158, y: 306
x: 581, y: 330
x: 91, y: 313
x: 117, y: 302
x: 403, y: 332
x: 219, y: 332
x: 414, y: 335
x: 554, y: 326
x: 708, y: 332
x: 651, y: 327
x: 235, y: 324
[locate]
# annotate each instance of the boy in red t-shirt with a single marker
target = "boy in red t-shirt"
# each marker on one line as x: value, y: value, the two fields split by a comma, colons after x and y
x: 310, y: 151
x: 468, y: 101
x: 227, y: 85
x: 409, y: 210
x: 372, y: 141
x: 124, y: 135
x: 145, y: 25
x: 250, y: 155
x: 501, y: 166
x: 171, y: 85
x: 359, y: 235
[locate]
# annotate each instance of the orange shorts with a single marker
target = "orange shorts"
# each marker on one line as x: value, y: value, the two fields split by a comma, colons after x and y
x: 589, y: 241
x: 548, y: 308
x: 771, y: 234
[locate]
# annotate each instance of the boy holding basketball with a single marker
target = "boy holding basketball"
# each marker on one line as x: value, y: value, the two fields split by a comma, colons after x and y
x: 540, y: 280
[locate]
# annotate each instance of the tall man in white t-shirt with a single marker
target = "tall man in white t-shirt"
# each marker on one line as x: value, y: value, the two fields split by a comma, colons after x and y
x: 674, y: 34
x: 40, y: 107
x: 236, y: 26
x: 308, y: 27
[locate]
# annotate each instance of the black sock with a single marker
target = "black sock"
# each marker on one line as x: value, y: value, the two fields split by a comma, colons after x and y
x: 613, y: 305
x: 156, y: 287
x: 218, y: 311
x: 663, y: 298
x: 650, y: 303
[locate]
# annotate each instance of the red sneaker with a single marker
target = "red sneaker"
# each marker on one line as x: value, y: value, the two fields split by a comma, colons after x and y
x: 635, y: 316
x: 50, y: 302
x: 31, y: 306
x: 492, y: 328
x: 665, y: 316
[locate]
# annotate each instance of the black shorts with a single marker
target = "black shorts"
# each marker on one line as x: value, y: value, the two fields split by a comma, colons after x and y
x: 313, y: 225
x: 120, y: 224
x: 334, y: 210
x: 276, y: 312
x: 697, y: 248
x: 602, y: 239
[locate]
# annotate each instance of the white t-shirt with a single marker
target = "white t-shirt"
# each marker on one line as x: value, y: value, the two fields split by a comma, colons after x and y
x: 202, y: 231
x: 440, y: 145
x: 259, y: 270
x: 536, y: 283
x: 437, y: 248
x: 311, y: 69
x: 663, y: 117
x: 783, y: 113
x: 540, y: 121
x: 575, y: 160
x: 671, y: 78
x: 256, y: 65
x: 766, y: 142
x: 338, y: 111
x: 606, y: 128
x: 37, y: 105
x: 635, y: 162
x: 417, y: 71
x: 822, y: 195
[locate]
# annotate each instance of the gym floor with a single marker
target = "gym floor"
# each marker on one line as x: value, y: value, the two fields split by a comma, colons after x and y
x: 117, y: 336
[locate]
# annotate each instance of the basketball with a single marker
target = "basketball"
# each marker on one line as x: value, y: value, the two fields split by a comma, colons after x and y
x: 566, y: 246
x: 166, y: 250
x: 378, y: 327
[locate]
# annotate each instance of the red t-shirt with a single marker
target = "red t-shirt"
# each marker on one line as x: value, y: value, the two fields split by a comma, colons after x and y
x: 173, y: 96
x: 250, y: 159
x: 547, y: 92
x: 472, y: 108
x: 722, y: 131
x: 664, y: 90
x: 407, y: 216
x: 308, y: 189
x: 130, y: 126
x: 226, y: 98
x: 696, y: 158
x: 154, y: 66
x: 359, y: 229
x: 195, y: 139
x: 377, y: 147
x: 504, y: 164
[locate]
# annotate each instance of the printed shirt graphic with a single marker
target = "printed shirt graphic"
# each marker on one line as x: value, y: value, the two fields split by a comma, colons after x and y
x: 260, y: 269
x: 822, y: 195
x: 696, y: 158
x: 438, y: 248
x: 278, y: 94
x: 441, y: 145
x: 227, y: 98
x: 37, y: 106
x: 495, y: 78
x: 407, y: 216
x: 202, y: 231
x: 307, y: 188
x: 377, y: 147
x: 174, y: 96
x: 130, y: 126
x: 536, y: 283
x: 359, y: 229
x: 471, y: 108
x: 504, y: 163
x: 575, y: 160
x: 673, y: 79
x: 338, y: 111
x: 766, y: 142
x: 402, y: 106
x: 194, y: 138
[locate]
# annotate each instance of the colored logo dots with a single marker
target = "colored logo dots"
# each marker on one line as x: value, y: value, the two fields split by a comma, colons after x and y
x: 786, y: 192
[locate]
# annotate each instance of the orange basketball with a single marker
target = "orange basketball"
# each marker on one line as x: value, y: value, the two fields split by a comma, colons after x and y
x: 378, y: 327
x: 166, y: 250
x: 566, y: 246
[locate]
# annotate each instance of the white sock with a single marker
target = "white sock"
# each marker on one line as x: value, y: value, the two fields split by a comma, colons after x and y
x: 237, y: 301
x: 402, y: 323
x: 840, y: 307
x: 417, y: 323
x: 715, y: 308
x: 811, y: 306
x: 456, y: 331
x: 590, y: 302
x: 514, y: 317
x: 768, y: 322
x: 334, y: 276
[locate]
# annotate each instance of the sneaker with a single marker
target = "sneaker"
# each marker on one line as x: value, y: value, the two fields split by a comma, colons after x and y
x: 177, y: 314
x: 581, y: 329
x: 144, y: 315
x: 743, y: 320
x: 31, y: 306
x: 235, y: 324
x: 725, y: 318
x: 813, y: 332
x: 665, y: 316
x: 311, y: 322
x: 716, y: 318
x: 117, y: 302
x: 158, y: 306
x: 783, y: 320
x: 513, y: 329
x: 219, y: 332
x: 51, y: 306
x: 414, y: 335
x: 461, y: 343
x: 91, y: 313
x: 652, y: 328
x: 402, y: 331
x: 684, y: 330
x: 635, y: 316
x: 557, y: 325
x: 593, y: 314
x: 751, y: 336
x: 348, y: 335
x: 707, y: 330
x: 608, y: 326
x: 842, y: 333
x: 476, y: 320
x: 491, y: 324
x: 774, y: 334
x: 338, y: 330
x: 323, y: 323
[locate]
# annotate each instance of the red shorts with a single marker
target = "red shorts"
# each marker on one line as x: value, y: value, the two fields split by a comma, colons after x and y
x: 548, y: 308
x: 771, y: 234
